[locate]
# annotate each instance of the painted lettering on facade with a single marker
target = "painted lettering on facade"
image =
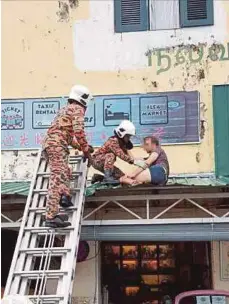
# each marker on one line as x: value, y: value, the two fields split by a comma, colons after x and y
x: 43, y: 113
x: 173, y: 116
x: 12, y: 116
x: 165, y: 60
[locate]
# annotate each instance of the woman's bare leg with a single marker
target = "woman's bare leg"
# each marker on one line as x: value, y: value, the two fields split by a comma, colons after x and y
x: 144, y: 177
x: 128, y: 181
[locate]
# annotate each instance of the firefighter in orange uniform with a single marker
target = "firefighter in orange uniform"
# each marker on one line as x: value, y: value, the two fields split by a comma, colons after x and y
x: 67, y: 129
x: 118, y: 145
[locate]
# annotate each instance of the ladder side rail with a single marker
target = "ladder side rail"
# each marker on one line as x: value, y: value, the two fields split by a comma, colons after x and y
x: 34, y: 238
x: 20, y: 235
x: 76, y: 166
x: 26, y: 236
x: 80, y: 217
x: 77, y: 163
x: 76, y: 232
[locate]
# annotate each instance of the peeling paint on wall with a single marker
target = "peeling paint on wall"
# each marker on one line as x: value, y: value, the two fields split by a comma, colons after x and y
x: 203, y: 110
x: 201, y: 74
x: 18, y: 165
x: 202, y: 129
x: 198, y: 157
x: 64, y: 9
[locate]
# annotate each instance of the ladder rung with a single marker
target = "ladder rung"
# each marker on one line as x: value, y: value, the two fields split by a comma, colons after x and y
x: 22, y: 266
x: 73, y: 159
x: 35, y: 273
x: 47, y: 174
x: 48, y: 229
x: 42, y: 209
x: 47, y: 297
x: 44, y: 191
x: 53, y: 250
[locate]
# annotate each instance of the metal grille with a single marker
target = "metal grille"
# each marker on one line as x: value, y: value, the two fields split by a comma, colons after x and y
x: 197, y: 9
x: 131, y: 12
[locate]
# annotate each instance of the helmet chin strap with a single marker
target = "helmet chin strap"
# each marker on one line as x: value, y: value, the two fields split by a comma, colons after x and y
x: 83, y: 103
x: 117, y: 133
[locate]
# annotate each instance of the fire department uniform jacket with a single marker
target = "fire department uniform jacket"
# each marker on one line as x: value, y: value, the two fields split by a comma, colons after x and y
x: 67, y: 129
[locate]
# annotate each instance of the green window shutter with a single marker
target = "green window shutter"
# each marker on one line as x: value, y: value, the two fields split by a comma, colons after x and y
x: 221, y: 129
x: 131, y: 15
x: 196, y: 13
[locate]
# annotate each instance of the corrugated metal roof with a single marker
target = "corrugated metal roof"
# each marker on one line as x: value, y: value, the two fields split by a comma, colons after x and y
x: 204, y: 180
x: 19, y: 188
x: 199, y: 181
x: 22, y: 188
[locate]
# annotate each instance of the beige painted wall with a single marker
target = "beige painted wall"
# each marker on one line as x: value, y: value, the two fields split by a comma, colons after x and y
x: 38, y: 61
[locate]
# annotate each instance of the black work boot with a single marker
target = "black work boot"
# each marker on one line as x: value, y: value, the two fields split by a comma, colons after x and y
x: 59, y: 221
x: 65, y: 201
x: 109, y: 179
x: 97, y: 178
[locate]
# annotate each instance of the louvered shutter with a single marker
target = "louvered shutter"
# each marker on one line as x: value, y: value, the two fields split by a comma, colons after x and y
x: 131, y: 15
x: 154, y: 232
x: 196, y: 12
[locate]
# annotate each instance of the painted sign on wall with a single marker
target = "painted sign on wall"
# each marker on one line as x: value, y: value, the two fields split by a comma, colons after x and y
x: 173, y: 117
x: 165, y: 59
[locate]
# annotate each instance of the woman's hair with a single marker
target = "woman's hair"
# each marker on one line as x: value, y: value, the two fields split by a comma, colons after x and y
x: 154, y: 140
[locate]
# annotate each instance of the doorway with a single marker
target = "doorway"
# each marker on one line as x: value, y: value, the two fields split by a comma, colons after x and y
x: 221, y: 129
x: 149, y: 273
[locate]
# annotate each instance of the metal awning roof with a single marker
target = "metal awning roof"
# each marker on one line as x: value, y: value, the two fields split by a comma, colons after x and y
x: 15, y: 188
x: 22, y: 187
x: 194, y: 191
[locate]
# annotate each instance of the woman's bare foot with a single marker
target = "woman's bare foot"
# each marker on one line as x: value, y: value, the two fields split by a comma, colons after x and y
x: 129, y: 181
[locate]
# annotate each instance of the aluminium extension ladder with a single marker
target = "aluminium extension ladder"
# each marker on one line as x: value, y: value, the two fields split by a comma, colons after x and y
x: 43, y: 255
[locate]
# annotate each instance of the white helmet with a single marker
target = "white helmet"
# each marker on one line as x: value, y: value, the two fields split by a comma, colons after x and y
x: 80, y: 94
x: 126, y: 127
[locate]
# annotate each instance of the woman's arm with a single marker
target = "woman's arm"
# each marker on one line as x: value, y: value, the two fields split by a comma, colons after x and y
x: 151, y: 159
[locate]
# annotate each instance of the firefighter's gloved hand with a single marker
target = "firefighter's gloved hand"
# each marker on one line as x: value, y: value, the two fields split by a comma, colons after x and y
x: 87, y: 156
x: 91, y: 149
x: 140, y: 163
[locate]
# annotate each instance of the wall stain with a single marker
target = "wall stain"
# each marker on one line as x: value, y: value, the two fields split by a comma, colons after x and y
x: 34, y: 154
x: 203, y: 110
x: 201, y: 74
x: 63, y: 12
x: 198, y: 157
x: 15, y: 152
x: 202, y: 129
x: 64, y: 9
x: 154, y: 83
x: 73, y: 3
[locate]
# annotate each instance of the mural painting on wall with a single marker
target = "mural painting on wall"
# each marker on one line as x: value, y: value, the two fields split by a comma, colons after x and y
x: 167, y: 59
x: 173, y: 117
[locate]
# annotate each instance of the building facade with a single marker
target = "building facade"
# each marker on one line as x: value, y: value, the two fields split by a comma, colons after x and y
x: 162, y: 64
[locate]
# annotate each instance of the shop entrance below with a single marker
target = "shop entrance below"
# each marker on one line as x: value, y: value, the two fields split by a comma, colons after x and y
x: 154, y: 272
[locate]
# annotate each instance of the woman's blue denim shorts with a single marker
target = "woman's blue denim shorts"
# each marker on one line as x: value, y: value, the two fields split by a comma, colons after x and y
x: 158, y: 175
